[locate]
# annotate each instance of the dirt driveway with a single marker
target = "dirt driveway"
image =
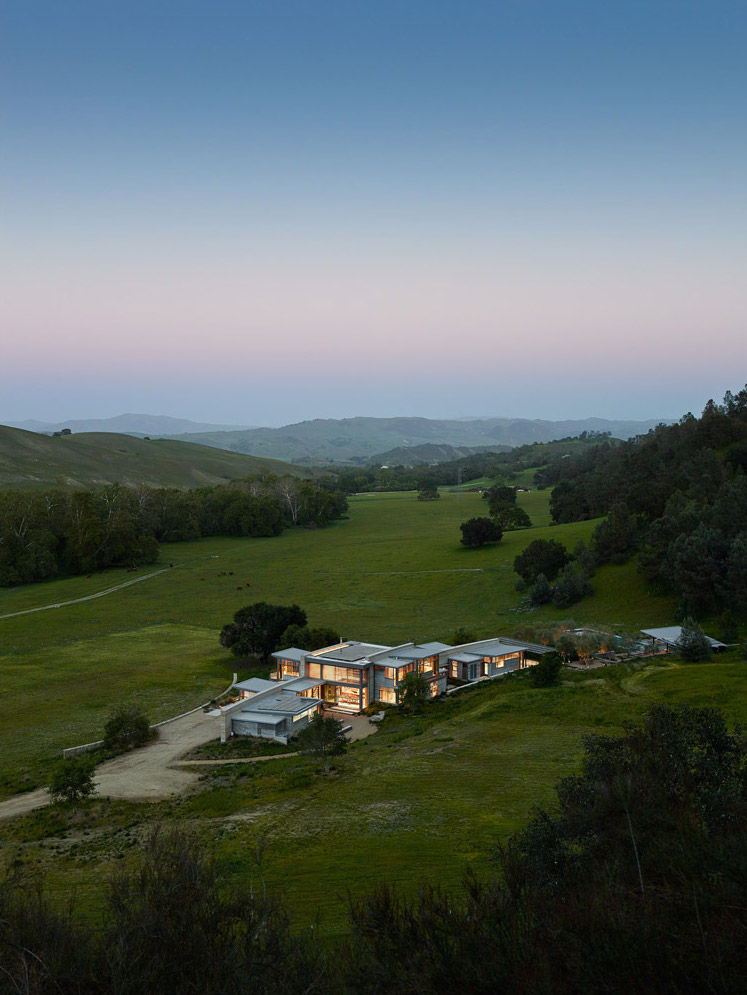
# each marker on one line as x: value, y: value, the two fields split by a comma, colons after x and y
x: 147, y: 774
x: 142, y: 775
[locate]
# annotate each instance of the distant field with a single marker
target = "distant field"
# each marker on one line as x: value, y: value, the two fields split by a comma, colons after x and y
x: 394, y: 571
x: 421, y: 800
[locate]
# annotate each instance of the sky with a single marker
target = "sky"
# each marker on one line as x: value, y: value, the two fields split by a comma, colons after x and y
x: 261, y: 212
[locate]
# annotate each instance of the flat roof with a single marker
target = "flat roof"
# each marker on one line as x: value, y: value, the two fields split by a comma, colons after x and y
x: 466, y: 657
x: 499, y: 646
x: 256, y: 685
x: 266, y: 717
x: 673, y: 633
x: 292, y: 653
x: 298, y: 684
x: 284, y: 703
x: 349, y: 653
x: 419, y: 652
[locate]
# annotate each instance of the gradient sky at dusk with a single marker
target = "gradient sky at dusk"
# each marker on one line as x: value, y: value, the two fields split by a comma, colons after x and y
x: 260, y: 212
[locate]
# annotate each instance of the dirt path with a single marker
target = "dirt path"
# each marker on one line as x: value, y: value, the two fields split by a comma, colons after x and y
x: 89, y: 597
x: 155, y: 771
x: 142, y: 775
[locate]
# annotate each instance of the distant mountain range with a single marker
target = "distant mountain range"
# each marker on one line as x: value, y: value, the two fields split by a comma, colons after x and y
x: 129, y: 425
x: 360, y: 440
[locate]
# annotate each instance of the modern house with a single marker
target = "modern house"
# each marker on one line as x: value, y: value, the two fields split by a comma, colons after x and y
x: 270, y: 710
x: 489, y: 658
x: 351, y: 675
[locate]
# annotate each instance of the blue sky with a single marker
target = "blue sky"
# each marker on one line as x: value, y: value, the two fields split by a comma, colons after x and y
x: 262, y: 212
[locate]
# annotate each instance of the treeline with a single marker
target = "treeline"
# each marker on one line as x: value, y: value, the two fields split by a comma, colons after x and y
x: 677, y: 497
x: 450, y: 473
x: 634, y: 883
x: 55, y: 533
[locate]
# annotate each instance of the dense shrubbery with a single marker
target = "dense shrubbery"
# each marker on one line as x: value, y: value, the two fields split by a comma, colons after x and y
x: 678, y: 496
x: 50, y: 533
x: 634, y: 883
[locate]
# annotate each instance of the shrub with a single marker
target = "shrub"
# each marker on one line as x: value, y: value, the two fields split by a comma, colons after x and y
x: 127, y: 727
x: 693, y: 644
x: 72, y: 781
x: 547, y: 672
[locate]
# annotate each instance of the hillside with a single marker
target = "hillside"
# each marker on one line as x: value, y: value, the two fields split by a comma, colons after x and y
x: 130, y: 424
x: 28, y: 460
x: 429, y: 453
x: 362, y: 439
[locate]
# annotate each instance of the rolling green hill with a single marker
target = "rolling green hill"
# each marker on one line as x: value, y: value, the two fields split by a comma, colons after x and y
x: 29, y: 460
x: 362, y: 439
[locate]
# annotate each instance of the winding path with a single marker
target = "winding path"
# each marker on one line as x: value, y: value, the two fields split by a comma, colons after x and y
x: 89, y: 597
x: 155, y: 771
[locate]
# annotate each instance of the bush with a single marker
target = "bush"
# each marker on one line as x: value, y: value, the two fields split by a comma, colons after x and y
x: 693, y: 644
x: 547, y: 672
x: 127, y: 727
x: 541, y: 591
x: 572, y: 585
x: 480, y: 531
x: 72, y: 781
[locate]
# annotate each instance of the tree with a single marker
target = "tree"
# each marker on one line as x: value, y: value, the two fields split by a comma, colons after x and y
x: 461, y: 635
x: 173, y: 924
x: 307, y: 637
x: 615, y: 539
x: 323, y: 738
x: 693, y: 644
x: 543, y: 556
x: 256, y: 629
x: 510, y: 517
x: 498, y: 496
x: 541, y: 591
x: 572, y: 585
x: 546, y: 673
x: 429, y: 492
x: 127, y: 727
x: 480, y: 531
x: 566, y: 646
x: 413, y: 692
x: 72, y: 781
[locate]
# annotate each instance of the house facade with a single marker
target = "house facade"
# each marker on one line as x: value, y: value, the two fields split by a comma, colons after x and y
x: 353, y: 675
x: 489, y: 658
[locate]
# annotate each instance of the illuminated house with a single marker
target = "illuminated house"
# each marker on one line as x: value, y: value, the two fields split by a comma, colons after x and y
x: 489, y: 658
x: 352, y: 675
x: 270, y: 710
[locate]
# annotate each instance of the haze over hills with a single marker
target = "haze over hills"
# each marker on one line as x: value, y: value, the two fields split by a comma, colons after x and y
x: 29, y: 460
x: 329, y: 440
x: 130, y: 424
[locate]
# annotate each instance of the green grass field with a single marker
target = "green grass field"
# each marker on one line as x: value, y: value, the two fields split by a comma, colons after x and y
x: 393, y: 571
x: 421, y: 800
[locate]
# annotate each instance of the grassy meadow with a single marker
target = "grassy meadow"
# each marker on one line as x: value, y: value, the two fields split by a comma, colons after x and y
x: 393, y: 571
x: 421, y: 800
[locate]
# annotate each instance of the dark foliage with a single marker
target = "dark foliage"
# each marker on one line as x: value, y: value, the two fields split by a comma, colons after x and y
x: 543, y: 556
x: 678, y: 495
x: 256, y: 629
x: 72, y: 780
x: 480, y: 531
x: 126, y: 728
x: 546, y: 672
x: 49, y: 533
x: 322, y: 738
x: 306, y: 637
